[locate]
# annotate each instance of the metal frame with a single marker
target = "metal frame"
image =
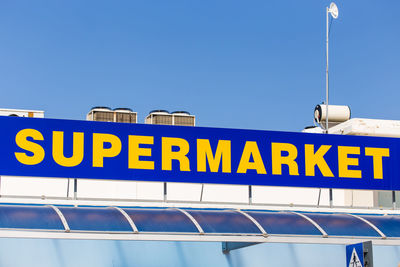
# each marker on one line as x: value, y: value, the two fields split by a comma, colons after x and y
x: 129, y: 219
x: 198, y: 226
x: 369, y: 223
x: 230, y: 240
x: 15, y: 199
x: 324, y: 234
x: 126, y: 203
x: 62, y: 218
x: 262, y: 230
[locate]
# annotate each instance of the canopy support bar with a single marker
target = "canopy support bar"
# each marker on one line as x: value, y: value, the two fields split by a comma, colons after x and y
x: 129, y: 219
x: 369, y: 223
x: 62, y: 218
x: 199, y: 228
x: 262, y: 230
x: 324, y: 234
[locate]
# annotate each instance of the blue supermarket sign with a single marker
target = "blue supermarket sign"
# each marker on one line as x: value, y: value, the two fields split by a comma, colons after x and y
x: 116, y: 151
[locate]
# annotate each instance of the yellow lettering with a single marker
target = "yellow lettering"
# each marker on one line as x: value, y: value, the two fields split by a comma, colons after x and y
x: 345, y: 161
x: 278, y: 160
x: 135, y: 151
x: 316, y: 159
x: 251, y: 149
x: 99, y: 152
x: 223, y: 153
x: 168, y: 155
x: 58, y: 149
x: 377, y: 154
x: 36, y: 149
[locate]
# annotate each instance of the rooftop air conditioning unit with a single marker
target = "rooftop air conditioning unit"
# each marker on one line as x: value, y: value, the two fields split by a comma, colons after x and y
x: 100, y: 114
x: 106, y: 114
x: 159, y: 116
x: 125, y: 115
x: 181, y: 118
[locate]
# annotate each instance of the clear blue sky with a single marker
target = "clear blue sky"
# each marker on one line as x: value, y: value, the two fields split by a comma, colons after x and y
x: 238, y: 64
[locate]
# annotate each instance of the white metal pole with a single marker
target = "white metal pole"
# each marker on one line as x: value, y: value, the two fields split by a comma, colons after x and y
x: 327, y: 91
x: 250, y: 195
x: 165, y: 192
x: 75, y: 188
x: 327, y: 69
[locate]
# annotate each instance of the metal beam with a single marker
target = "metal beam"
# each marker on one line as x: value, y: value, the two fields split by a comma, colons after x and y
x: 249, y: 239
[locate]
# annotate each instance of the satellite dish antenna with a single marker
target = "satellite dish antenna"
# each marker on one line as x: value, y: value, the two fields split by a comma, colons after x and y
x: 334, y: 10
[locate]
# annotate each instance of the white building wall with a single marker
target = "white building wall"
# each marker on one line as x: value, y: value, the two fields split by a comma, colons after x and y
x: 132, y: 190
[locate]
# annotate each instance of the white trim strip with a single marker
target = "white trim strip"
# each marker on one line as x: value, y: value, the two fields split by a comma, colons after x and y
x: 369, y: 223
x: 265, y: 234
x: 201, y: 231
x: 197, y: 238
x: 62, y: 218
x: 129, y: 219
x: 324, y: 234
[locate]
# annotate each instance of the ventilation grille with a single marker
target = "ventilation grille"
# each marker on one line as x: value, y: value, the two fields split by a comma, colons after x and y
x: 184, y: 120
x: 126, y: 117
x: 105, y: 114
x: 163, y: 117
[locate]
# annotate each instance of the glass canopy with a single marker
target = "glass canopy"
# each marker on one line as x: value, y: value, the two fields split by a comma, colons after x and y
x: 196, y: 221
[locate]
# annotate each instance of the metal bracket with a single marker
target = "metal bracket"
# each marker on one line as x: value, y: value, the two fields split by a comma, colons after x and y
x: 228, y: 246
